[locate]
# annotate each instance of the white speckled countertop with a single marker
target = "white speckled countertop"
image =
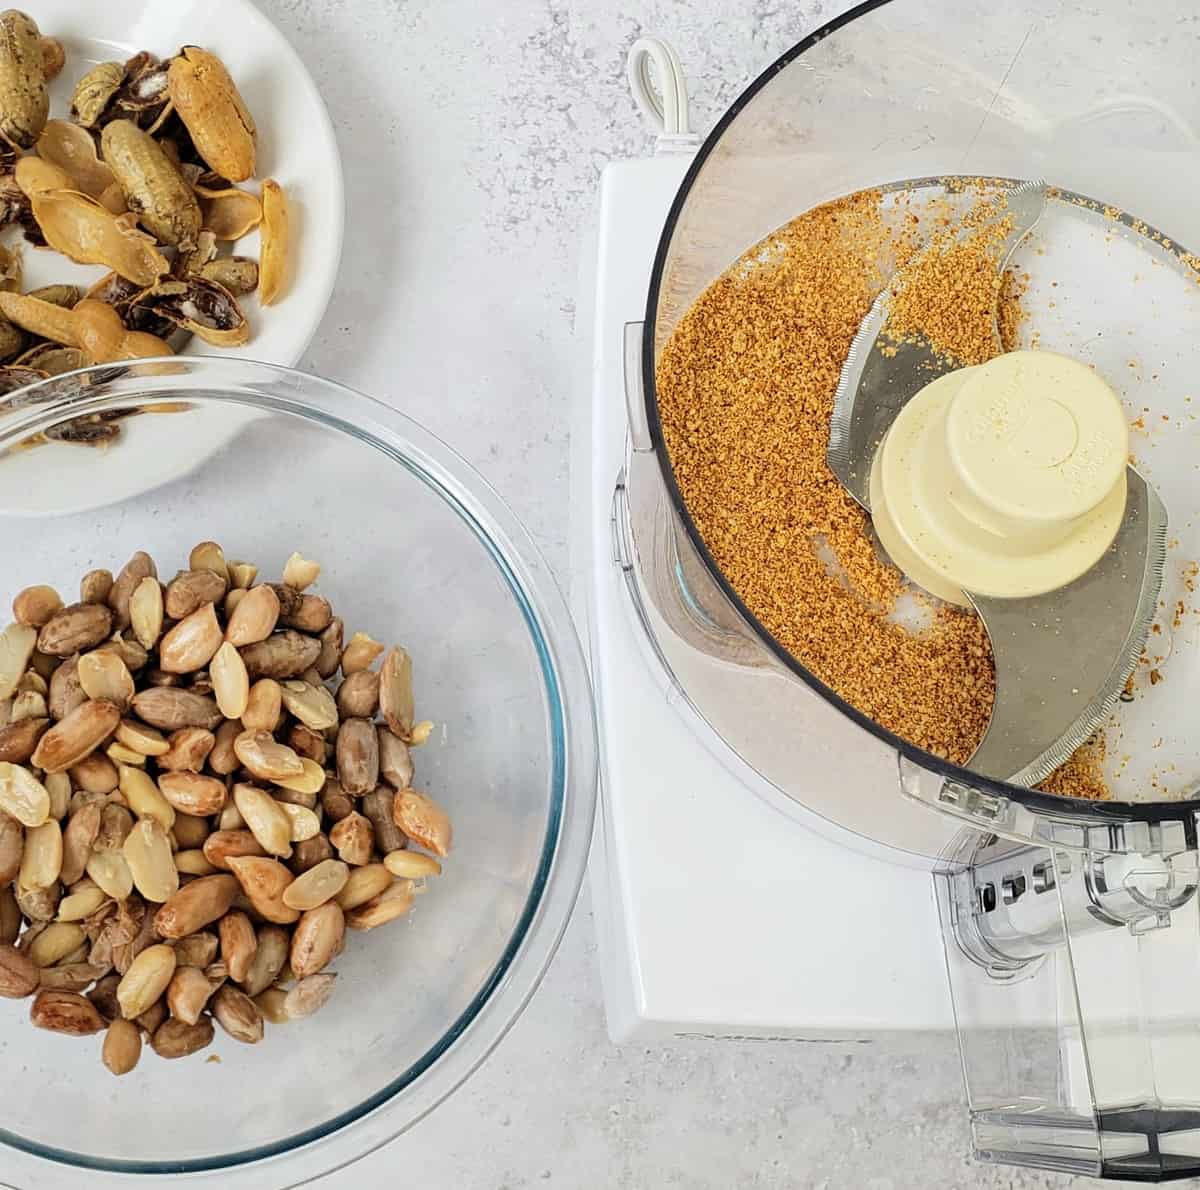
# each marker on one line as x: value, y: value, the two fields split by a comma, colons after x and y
x: 472, y: 135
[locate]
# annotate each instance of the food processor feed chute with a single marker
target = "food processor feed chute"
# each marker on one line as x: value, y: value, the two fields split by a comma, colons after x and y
x: 1005, y: 479
x: 1071, y: 925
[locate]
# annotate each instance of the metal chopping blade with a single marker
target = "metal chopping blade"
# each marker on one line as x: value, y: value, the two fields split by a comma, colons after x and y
x: 1063, y: 658
x: 880, y: 375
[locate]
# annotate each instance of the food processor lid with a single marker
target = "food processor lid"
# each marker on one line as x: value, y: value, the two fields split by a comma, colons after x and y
x: 1120, y: 150
x: 984, y: 486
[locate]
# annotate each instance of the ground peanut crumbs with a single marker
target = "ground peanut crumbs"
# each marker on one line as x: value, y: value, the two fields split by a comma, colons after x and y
x: 950, y: 294
x: 1083, y: 774
x: 745, y: 389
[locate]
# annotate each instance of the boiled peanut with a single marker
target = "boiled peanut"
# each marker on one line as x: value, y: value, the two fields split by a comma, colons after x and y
x: 76, y: 736
x: 140, y: 566
x: 153, y: 187
x: 357, y: 756
x: 212, y: 109
x: 65, y: 1012
x: 193, y: 794
x: 177, y: 1039
x: 238, y: 944
x: 423, y: 821
x: 396, y: 691
x: 308, y: 853
x: 390, y: 904
x: 75, y: 628
x: 318, y: 884
x: 203, y: 900
x: 238, y: 1015
x: 354, y: 839
x: 358, y: 695
x: 190, y: 645
x: 314, y: 706
x: 270, y: 955
x: 34, y: 606
x: 169, y: 708
x: 264, y: 882
x: 360, y: 653
x: 188, y: 749
x: 379, y: 806
x: 265, y: 818
x: 24, y: 100
x: 122, y: 1046
x: 146, y: 612
x: 285, y: 654
x: 147, y: 851
x: 317, y: 938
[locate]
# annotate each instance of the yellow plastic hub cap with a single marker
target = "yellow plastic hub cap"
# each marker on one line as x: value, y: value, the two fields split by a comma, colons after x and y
x: 1006, y: 479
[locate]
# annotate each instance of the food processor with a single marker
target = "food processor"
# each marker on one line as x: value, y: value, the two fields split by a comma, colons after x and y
x: 1069, y: 927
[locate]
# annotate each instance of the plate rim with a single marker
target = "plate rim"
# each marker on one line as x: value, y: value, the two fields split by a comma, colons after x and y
x: 337, y: 179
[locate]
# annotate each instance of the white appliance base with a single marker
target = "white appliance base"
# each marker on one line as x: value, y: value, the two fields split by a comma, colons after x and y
x: 718, y: 915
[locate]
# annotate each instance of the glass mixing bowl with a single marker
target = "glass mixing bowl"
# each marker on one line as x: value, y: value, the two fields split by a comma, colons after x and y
x: 415, y: 548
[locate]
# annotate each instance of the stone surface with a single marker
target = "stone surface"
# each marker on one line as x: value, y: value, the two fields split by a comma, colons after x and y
x: 473, y: 135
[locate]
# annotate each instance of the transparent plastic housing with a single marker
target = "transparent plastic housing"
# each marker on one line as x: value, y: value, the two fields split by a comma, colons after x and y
x: 1070, y: 994
x: 414, y: 548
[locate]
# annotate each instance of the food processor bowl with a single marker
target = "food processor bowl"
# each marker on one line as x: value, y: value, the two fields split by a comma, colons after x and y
x: 1070, y: 925
x: 415, y: 549
x: 1101, y: 104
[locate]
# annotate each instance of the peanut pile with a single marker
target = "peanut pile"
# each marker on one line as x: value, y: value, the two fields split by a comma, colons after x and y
x: 190, y: 817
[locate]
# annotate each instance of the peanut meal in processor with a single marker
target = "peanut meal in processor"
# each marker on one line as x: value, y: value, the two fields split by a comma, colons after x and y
x: 194, y: 808
x: 142, y: 178
x: 746, y: 386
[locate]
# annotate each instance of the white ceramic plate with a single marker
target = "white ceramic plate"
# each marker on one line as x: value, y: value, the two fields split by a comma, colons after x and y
x: 296, y: 146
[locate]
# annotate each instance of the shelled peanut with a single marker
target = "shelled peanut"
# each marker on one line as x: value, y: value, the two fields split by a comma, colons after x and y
x: 194, y: 807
